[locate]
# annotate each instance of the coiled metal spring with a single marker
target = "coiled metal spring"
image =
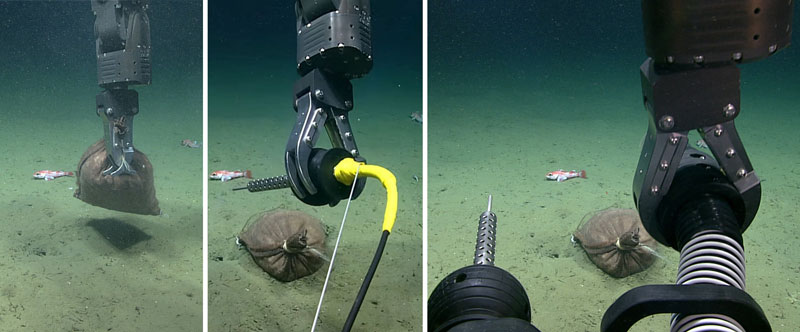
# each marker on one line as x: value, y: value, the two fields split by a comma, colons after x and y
x: 487, y: 228
x: 276, y: 182
x: 710, y: 258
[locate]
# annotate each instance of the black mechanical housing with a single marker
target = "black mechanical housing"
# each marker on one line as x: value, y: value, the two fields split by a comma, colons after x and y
x: 330, y: 191
x: 478, y: 292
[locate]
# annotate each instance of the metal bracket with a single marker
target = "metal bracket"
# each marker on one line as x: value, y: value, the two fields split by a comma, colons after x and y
x: 117, y: 108
x: 320, y: 100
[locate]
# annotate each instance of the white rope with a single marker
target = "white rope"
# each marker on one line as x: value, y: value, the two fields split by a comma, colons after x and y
x: 335, y: 248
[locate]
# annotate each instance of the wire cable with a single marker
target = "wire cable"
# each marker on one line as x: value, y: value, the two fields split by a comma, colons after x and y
x: 333, y: 256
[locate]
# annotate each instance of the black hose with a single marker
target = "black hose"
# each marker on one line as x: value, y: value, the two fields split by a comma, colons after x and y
x: 351, y: 318
x: 706, y: 213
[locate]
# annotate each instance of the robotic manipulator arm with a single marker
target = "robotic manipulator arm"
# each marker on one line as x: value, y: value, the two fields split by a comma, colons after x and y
x: 334, y: 45
x: 122, y: 32
x: 690, y: 81
x: 688, y: 200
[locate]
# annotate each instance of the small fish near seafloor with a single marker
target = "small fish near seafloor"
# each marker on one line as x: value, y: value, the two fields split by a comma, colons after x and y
x: 230, y: 175
x: 191, y: 144
x: 50, y: 175
x: 562, y: 175
x: 416, y: 117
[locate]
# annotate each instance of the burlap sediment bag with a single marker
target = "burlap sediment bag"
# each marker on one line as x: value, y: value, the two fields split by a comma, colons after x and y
x: 616, y: 241
x: 133, y: 193
x: 286, y: 244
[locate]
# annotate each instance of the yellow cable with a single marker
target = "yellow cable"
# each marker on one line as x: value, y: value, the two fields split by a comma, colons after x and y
x: 345, y: 172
